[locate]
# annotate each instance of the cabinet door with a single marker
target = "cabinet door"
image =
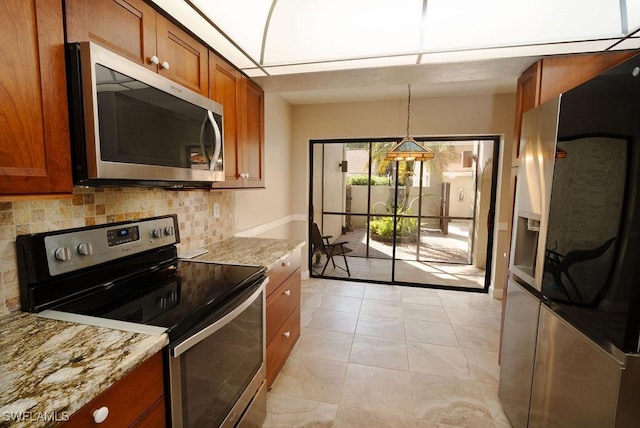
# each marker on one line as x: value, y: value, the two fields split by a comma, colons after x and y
x: 136, y: 398
x: 34, y: 129
x: 134, y: 36
x: 253, y: 134
x: 224, y: 88
x: 182, y: 58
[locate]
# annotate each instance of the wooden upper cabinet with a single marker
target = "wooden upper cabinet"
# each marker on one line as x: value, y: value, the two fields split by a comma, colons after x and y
x: 127, y: 27
x: 528, y: 97
x: 136, y: 31
x: 253, y: 133
x: 182, y: 58
x: 243, y: 103
x: 562, y: 73
x: 224, y: 88
x: 34, y: 125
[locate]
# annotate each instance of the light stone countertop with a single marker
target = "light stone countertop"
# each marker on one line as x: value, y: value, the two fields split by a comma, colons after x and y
x: 49, y: 369
x: 250, y: 251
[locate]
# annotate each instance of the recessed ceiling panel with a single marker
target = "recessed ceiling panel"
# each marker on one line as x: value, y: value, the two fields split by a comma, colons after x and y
x: 342, y: 65
x: 630, y: 43
x: 468, y: 24
x: 325, y: 30
x: 242, y: 20
x: 633, y: 14
x: 517, y: 51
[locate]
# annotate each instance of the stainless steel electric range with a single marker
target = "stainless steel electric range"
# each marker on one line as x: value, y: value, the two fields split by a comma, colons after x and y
x: 127, y: 275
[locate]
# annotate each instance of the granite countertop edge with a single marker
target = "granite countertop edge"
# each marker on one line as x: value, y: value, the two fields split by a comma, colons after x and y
x: 250, y: 251
x: 51, y: 368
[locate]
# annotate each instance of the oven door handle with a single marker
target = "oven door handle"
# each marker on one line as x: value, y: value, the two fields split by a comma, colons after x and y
x: 198, y: 337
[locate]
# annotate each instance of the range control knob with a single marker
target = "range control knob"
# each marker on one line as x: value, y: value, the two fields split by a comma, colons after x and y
x: 173, y: 296
x: 162, y: 302
x: 168, y: 230
x: 157, y: 233
x: 62, y: 253
x: 85, y: 249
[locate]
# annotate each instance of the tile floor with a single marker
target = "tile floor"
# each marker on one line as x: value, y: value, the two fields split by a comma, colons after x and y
x: 389, y: 356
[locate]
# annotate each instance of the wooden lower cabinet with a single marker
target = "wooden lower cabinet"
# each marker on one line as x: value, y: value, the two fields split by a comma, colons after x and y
x: 283, y: 313
x: 280, y: 347
x: 137, y: 400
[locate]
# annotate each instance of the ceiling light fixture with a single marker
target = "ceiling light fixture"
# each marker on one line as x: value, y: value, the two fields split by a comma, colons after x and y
x: 409, y: 149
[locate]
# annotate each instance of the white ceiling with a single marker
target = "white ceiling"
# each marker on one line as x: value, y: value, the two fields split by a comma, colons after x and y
x: 312, y: 51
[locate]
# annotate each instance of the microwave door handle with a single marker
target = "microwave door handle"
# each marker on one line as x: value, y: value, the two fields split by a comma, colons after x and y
x: 217, y: 144
x: 203, y: 128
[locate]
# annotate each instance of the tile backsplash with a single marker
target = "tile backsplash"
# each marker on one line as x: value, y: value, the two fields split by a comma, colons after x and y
x: 89, y: 206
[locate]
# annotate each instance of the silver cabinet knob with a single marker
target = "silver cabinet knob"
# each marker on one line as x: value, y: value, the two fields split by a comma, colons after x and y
x: 287, y: 293
x: 154, y: 60
x: 85, y: 249
x: 286, y: 334
x: 63, y: 254
x: 100, y: 415
x: 157, y: 233
x: 165, y: 65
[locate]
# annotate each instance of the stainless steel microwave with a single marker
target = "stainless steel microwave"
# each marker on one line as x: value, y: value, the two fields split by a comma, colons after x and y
x: 131, y: 126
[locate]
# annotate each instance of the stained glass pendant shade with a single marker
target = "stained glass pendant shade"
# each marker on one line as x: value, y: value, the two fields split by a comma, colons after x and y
x: 409, y: 149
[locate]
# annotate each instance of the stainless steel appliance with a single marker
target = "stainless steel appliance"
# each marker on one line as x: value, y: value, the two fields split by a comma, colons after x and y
x: 127, y: 275
x: 131, y: 126
x: 571, y: 339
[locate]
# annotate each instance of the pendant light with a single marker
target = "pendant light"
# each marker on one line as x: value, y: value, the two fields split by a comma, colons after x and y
x: 409, y: 149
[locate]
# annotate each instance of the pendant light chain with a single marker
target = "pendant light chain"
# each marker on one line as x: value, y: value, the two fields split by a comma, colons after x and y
x: 408, y: 109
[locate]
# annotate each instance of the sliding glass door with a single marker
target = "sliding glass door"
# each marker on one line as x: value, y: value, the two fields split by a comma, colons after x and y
x: 410, y: 222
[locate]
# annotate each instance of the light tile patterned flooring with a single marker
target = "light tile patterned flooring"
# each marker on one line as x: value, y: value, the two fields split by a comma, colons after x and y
x: 389, y: 356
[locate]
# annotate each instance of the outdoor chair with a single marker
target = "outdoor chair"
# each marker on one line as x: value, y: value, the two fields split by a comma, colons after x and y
x: 330, y: 250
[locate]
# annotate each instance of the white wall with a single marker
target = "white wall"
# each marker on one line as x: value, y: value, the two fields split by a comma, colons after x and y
x: 257, y: 207
x: 464, y: 115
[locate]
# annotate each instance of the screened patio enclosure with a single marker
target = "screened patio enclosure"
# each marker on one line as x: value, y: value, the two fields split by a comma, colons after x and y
x: 417, y: 223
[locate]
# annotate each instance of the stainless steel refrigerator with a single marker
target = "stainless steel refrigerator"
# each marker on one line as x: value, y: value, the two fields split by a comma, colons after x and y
x: 571, y: 335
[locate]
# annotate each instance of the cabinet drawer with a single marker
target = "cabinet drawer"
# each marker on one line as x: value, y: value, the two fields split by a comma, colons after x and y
x: 281, y: 303
x: 155, y: 417
x: 127, y: 399
x: 280, y: 347
x: 281, y: 270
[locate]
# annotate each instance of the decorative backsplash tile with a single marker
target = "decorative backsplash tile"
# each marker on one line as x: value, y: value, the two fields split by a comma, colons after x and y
x: 89, y: 206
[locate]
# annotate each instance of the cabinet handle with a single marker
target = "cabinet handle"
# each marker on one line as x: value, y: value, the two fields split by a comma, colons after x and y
x: 286, y: 264
x: 286, y: 334
x: 100, y: 415
x: 154, y: 60
x: 287, y: 293
x: 165, y: 65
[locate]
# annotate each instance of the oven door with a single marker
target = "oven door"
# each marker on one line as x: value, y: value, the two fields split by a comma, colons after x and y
x: 216, y: 374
